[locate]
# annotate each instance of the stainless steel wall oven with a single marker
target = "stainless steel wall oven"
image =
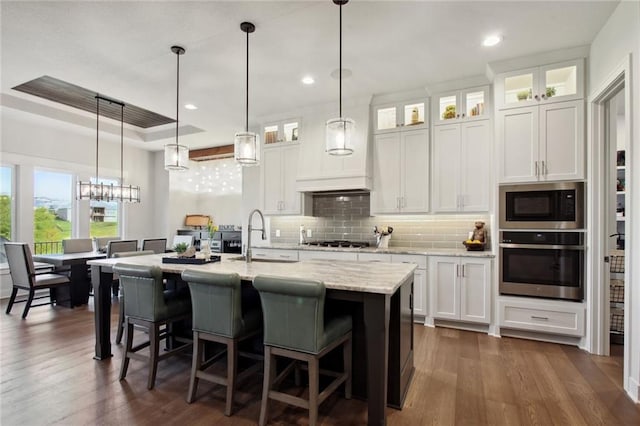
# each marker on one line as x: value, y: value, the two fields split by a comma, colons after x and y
x: 542, y: 264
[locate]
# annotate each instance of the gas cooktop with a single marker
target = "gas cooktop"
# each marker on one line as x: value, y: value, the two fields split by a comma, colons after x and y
x: 338, y: 243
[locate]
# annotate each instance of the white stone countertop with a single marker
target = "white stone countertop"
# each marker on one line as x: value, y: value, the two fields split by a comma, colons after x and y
x: 391, y: 250
x: 384, y: 278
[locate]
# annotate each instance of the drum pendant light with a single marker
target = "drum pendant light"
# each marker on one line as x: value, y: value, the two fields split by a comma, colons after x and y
x: 340, y: 131
x: 247, y: 144
x: 176, y: 156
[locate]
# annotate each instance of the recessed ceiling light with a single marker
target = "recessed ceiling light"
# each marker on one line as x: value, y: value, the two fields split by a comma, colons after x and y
x: 190, y: 106
x: 491, y: 40
x: 308, y: 80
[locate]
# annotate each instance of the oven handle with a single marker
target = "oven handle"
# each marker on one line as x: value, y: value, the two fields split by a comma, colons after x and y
x: 541, y: 246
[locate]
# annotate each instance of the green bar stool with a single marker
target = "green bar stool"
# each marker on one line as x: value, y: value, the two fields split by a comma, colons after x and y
x: 295, y: 327
x: 120, y: 332
x: 148, y: 305
x: 218, y: 317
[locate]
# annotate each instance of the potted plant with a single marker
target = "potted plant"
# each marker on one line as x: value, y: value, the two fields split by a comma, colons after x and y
x: 523, y: 95
x: 449, y: 112
x: 181, y: 248
x: 551, y: 91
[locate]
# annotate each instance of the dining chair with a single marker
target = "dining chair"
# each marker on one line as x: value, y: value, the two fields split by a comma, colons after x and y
x: 121, y: 303
x: 77, y: 245
x: 117, y: 246
x: 24, y: 277
x: 218, y: 316
x: 158, y: 245
x: 149, y: 306
x: 101, y: 243
x: 295, y: 327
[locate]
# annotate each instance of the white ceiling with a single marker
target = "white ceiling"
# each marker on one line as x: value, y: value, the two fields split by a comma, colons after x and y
x: 122, y: 49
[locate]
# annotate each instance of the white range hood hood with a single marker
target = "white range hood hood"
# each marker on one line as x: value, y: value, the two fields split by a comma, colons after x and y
x: 319, y: 171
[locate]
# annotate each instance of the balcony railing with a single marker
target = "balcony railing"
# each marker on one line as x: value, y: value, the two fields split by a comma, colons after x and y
x: 47, y: 247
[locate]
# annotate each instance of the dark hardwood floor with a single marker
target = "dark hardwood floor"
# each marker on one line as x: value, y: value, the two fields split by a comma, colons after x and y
x: 48, y: 376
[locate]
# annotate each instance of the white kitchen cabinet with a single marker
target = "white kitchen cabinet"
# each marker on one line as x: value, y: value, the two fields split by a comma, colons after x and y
x: 277, y: 254
x: 461, y: 167
x: 546, y: 316
x: 279, y: 171
x: 394, y: 116
x: 282, y: 131
x: 460, y: 288
x: 327, y: 255
x: 542, y: 143
x: 419, y: 281
x: 401, y: 172
x: 539, y: 85
x: 461, y: 105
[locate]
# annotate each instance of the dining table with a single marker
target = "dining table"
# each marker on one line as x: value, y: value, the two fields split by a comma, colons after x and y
x: 79, y: 277
x: 379, y: 299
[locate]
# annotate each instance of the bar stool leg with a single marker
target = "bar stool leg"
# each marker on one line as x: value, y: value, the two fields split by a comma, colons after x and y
x: 347, y: 357
x: 314, y: 388
x: 232, y: 347
x: 269, y: 375
x: 195, y: 366
x: 128, y: 338
x: 154, y: 348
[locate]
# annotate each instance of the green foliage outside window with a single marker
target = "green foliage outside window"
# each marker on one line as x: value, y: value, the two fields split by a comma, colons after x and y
x: 5, y: 216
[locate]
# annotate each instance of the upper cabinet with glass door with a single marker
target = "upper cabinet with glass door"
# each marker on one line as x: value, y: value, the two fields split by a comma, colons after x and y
x: 461, y: 105
x: 282, y: 131
x: 394, y: 117
x: 550, y: 83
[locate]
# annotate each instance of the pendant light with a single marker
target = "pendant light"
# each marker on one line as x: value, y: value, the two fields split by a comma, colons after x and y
x: 122, y: 192
x: 100, y: 191
x: 247, y: 144
x: 340, y: 131
x: 176, y: 156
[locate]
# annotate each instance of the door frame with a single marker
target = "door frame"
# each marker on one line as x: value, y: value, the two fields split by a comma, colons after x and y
x: 597, y: 239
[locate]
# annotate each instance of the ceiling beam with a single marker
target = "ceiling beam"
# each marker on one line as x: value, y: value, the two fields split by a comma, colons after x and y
x: 217, y: 152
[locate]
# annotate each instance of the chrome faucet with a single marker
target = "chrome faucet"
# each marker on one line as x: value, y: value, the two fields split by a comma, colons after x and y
x: 250, y: 229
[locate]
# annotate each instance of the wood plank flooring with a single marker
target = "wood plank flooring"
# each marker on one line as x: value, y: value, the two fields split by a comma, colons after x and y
x: 48, y: 376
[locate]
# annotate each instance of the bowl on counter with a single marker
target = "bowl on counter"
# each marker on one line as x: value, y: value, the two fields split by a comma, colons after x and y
x: 473, y: 246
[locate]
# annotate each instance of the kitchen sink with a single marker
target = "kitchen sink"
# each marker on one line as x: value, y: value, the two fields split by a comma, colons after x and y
x: 262, y: 260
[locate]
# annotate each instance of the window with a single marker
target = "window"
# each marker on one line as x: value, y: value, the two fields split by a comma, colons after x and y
x: 52, y: 210
x: 104, y: 215
x: 6, y: 208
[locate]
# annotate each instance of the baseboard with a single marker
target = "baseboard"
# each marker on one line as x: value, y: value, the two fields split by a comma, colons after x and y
x: 634, y: 390
x: 479, y: 328
x: 542, y: 337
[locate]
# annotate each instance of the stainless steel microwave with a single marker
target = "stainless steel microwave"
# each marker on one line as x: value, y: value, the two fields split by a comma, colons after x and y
x: 558, y: 205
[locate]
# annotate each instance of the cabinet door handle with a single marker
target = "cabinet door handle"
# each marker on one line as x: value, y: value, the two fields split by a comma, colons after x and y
x: 539, y: 318
x: 543, y: 96
x: 457, y: 270
x: 462, y: 270
x: 463, y: 115
x: 544, y: 168
x: 284, y: 256
x: 536, y: 163
x: 537, y: 97
x: 457, y: 115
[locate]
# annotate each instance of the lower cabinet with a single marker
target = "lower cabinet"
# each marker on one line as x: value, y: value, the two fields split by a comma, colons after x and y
x: 266, y: 253
x: 326, y: 255
x: 544, y: 316
x: 419, y: 281
x: 460, y: 288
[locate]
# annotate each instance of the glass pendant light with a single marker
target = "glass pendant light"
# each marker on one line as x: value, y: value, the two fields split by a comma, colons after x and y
x: 247, y: 144
x: 176, y: 156
x: 340, y: 131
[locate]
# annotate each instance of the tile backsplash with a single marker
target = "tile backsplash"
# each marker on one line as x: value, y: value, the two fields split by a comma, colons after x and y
x: 347, y: 217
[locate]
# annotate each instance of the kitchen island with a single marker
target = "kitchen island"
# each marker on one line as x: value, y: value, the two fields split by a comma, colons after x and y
x: 380, y: 299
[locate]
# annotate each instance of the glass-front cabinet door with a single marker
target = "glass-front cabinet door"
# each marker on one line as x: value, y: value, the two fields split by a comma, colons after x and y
x: 556, y: 82
x: 392, y: 117
x: 282, y: 131
x: 469, y: 104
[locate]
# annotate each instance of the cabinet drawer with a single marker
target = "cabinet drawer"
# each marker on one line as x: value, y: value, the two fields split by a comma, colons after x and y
x: 555, y: 319
x: 421, y: 261
x: 274, y: 254
x: 327, y: 255
x: 374, y: 257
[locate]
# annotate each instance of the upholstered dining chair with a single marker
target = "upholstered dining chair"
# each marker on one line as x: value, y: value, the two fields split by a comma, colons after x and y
x: 148, y: 305
x: 218, y: 317
x: 295, y: 327
x: 77, y: 245
x: 158, y: 245
x: 117, y: 246
x: 121, y: 303
x: 101, y: 243
x: 24, y: 277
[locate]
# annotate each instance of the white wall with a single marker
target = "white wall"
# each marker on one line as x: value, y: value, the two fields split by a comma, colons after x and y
x: 619, y: 37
